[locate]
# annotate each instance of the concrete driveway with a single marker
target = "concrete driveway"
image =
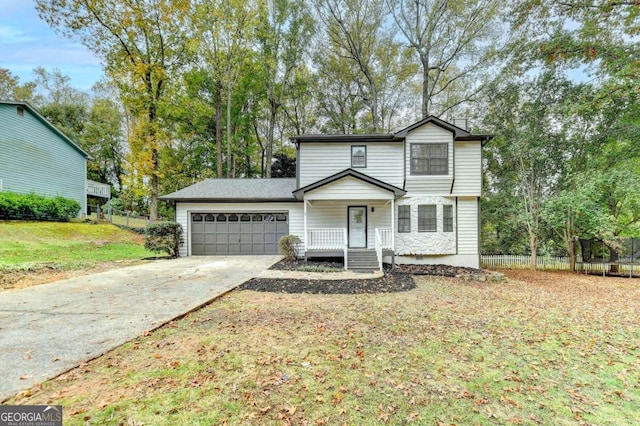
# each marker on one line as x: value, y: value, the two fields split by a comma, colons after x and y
x: 49, y: 329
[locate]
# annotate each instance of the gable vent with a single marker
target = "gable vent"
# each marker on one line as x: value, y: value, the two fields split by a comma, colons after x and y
x: 20, y: 110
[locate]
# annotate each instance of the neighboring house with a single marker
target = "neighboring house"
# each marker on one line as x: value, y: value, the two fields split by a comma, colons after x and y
x: 408, y: 197
x: 36, y: 157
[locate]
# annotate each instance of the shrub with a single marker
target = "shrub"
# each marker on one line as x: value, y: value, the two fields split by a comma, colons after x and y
x: 290, y: 246
x: 38, y: 207
x: 164, y: 237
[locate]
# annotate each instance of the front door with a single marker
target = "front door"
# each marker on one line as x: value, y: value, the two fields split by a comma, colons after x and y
x: 357, y: 227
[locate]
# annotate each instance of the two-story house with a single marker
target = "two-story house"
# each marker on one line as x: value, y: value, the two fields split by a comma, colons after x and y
x: 407, y: 197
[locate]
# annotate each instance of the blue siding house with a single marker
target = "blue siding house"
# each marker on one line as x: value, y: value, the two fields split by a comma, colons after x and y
x: 36, y: 157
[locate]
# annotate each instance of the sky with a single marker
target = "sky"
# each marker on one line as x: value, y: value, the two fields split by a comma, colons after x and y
x: 27, y: 42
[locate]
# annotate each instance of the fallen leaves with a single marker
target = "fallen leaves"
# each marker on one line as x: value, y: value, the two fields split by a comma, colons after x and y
x: 534, y: 352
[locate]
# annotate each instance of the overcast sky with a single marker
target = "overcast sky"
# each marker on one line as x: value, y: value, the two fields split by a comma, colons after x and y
x: 26, y: 42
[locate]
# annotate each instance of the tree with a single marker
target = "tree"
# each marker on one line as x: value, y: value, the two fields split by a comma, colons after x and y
x: 141, y: 44
x: 103, y: 139
x: 526, y: 157
x: 371, y: 56
x: 283, y: 166
x: 11, y: 89
x: 226, y: 28
x: 454, y: 41
x: 285, y: 28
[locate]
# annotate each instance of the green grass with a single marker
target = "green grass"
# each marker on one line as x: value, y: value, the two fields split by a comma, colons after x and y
x: 449, y: 352
x: 29, y: 245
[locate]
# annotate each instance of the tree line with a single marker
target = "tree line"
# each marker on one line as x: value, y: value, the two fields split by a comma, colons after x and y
x: 214, y: 88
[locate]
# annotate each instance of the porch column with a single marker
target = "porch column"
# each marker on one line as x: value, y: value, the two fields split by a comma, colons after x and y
x: 305, y: 228
x: 393, y: 225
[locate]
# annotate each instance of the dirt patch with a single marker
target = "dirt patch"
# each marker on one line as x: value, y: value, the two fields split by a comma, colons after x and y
x: 23, y: 279
x: 389, y: 283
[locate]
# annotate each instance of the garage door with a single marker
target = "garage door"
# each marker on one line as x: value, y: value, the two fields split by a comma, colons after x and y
x: 237, y: 233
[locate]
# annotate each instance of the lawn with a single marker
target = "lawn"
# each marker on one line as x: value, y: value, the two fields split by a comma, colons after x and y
x: 542, y: 348
x: 45, y: 249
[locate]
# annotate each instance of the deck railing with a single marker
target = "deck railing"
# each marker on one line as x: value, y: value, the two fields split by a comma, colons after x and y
x: 98, y: 189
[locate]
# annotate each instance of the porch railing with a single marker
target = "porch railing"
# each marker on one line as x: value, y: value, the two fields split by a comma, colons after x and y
x: 386, y: 238
x: 383, y: 241
x: 378, y: 246
x: 328, y: 239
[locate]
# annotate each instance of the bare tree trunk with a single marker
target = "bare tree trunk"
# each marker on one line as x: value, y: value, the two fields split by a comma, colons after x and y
x: 425, y: 87
x: 270, y: 137
x: 533, y: 245
x: 219, y: 129
x: 229, y: 132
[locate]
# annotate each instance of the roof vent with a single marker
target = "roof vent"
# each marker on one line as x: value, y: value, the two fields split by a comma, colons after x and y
x: 463, y: 123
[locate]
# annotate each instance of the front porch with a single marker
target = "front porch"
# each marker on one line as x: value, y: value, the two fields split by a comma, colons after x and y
x: 334, y: 242
x: 364, y: 236
x: 348, y: 215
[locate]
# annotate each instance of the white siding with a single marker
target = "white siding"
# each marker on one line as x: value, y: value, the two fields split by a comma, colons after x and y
x: 333, y: 214
x: 468, y: 241
x: 468, y: 168
x: 320, y: 160
x: 296, y: 216
x: 348, y: 188
x: 440, y: 185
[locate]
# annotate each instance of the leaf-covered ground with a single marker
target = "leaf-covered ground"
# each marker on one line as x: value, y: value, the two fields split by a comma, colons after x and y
x: 543, y: 348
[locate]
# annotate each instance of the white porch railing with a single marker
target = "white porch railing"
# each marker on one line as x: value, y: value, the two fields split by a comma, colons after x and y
x: 386, y: 238
x: 384, y: 241
x: 379, y: 247
x: 328, y: 239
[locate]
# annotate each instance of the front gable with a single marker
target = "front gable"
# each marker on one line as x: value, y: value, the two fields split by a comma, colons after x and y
x: 349, y: 188
x: 348, y: 185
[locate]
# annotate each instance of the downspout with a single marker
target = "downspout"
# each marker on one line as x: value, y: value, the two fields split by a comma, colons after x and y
x: 404, y: 164
x: 297, y: 164
x: 453, y: 181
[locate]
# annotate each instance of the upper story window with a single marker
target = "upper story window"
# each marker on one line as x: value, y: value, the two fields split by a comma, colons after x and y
x: 358, y: 156
x: 429, y: 159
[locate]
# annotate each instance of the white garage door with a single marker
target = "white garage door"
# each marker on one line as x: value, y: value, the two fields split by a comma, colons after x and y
x: 237, y: 233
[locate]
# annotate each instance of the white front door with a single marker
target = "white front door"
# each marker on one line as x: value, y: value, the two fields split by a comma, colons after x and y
x: 358, y: 227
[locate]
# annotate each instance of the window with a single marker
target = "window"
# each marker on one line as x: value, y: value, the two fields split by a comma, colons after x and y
x: 429, y: 158
x: 447, y: 218
x: 196, y: 218
x: 358, y: 156
x: 209, y: 218
x: 427, y: 218
x: 404, y: 218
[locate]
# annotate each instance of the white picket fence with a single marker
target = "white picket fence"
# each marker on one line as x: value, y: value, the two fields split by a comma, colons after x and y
x: 553, y: 263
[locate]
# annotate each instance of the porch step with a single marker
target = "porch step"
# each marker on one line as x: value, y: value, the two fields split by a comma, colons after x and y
x: 362, y: 260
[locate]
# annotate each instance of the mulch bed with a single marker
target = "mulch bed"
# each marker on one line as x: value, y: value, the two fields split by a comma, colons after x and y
x: 389, y: 283
x: 437, y: 270
x: 293, y: 265
x: 396, y: 278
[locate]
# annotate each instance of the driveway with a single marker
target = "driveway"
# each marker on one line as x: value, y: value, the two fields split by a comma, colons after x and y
x: 49, y: 329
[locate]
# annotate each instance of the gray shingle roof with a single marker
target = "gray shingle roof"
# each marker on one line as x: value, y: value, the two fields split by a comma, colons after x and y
x: 276, y: 189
